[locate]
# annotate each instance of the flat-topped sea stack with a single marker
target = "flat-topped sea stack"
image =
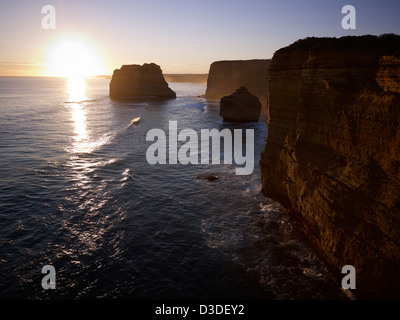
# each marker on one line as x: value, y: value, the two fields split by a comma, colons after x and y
x: 332, y: 155
x: 140, y: 81
x: 240, y: 106
x: 226, y: 77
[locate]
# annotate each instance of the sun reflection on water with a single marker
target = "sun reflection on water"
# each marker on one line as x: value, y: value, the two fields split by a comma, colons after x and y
x: 76, y: 90
x: 89, y: 212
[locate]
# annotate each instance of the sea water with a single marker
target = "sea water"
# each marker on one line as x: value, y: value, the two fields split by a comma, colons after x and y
x: 77, y: 193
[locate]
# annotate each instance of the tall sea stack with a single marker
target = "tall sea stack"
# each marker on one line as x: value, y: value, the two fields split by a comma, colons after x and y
x: 332, y: 154
x: 139, y: 81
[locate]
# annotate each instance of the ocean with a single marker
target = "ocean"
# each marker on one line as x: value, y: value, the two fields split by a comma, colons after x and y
x: 77, y: 193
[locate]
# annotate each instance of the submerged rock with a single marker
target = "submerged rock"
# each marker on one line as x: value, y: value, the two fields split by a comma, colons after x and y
x: 208, y: 177
x: 240, y: 106
x: 139, y: 81
x: 332, y: 153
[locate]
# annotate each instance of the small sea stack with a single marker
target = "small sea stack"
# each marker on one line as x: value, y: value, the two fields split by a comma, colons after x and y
x: 240, y: 106
x: 132, y: 81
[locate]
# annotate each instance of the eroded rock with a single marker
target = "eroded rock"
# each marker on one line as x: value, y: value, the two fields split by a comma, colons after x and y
x: 140, y: 81
x: 225, y: 77
x: 332, y: 153
x: 240, y: 106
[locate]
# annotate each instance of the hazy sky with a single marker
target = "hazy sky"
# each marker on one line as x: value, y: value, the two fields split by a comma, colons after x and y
x: 181, y: 36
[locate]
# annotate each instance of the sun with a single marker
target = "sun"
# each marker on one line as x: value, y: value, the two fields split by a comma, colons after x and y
x: 73, y: 57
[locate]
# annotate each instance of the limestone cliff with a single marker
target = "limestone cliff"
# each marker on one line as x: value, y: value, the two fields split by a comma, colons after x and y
x: 226, y: 77
x: 332, y: 153
x: 139, y: 81
x: 187, y: 78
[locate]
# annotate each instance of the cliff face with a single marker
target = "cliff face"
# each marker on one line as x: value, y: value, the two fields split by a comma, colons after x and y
x: 226, y: 77
x: 139, y: 81
x: 332, y: 153
x: 187, y: 78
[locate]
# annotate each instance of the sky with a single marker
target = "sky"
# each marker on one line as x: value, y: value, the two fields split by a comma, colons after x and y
x: 180, y: 36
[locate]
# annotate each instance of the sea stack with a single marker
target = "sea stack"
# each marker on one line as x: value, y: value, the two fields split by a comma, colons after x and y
x: 140, y: 81
x: 240, y: 106
x: 332, y: 154
x: 225, y: 77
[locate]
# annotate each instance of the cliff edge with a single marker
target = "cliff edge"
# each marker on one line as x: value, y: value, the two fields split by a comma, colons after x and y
x: 332, y: 154
x: 139, y: 81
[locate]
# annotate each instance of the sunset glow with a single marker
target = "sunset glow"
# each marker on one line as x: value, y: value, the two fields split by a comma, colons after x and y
x: 73, y: 58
